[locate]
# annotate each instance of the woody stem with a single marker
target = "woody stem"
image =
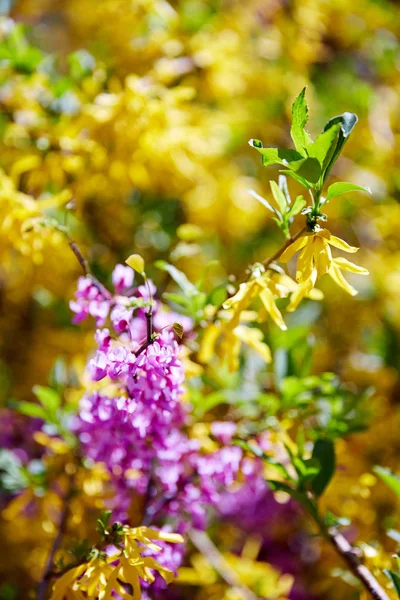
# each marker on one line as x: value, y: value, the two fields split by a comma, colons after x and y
x: 282, y: 249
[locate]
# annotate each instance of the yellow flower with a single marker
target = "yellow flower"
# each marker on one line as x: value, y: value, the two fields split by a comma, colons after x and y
x: 99, y: 578
x: 260, y: 285
x: 315, y: 260
x: 225, y: 338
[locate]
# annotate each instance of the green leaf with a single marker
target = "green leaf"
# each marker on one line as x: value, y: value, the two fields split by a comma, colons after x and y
x: 278, y: 486
x: 391, y: 479
x: 48, y: 398
x: 300, y: 137
x: 136, y: 262
x: 297, y: 178
x: 347, y: 122
x: 177, y: 327
x: 30, y: 409
x: 282, y: 181
x: 264, y: 202
x: 179, y: 277
x: 341, y: 187
x: 324, y: 452
x: 296, y: 207
x: 324, y: 146
x: 279, y: 196
x: 204, y: 403
x: 218, y: 296
x: 395, y: 579
x: 307, y: 168
x: 180, y: 300
x: 275, y: 156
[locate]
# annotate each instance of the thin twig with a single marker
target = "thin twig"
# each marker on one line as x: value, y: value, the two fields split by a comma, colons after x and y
x: 48, y: 570
x: 349, y: 555
x: 86, y: 268
x: 82, y: 261
x: 149, y: 323
x: 282, y: 249
x: 203, y: 543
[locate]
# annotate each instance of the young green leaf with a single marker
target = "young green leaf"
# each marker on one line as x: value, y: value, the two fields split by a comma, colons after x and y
x: 218, y: 296
x: 136, y: 262
x: 324, y: 452
x: 279, y: 196
x: 395, y: 579
x: 299, y: 135
x: 275, y: 156
x: 296, y: 207
x: 48, y: 398
x: 30, y: 409
x: 347, y: 122
x: 180, y: 300
x: 391, y: 479
x: 264, y: 202
x: 282, y: 181
x: 297, y: 178
x: 308, y: 168
x: 324, y: 146
x: 301, y: 497
x: 179, y: 277
x: 341, y: 187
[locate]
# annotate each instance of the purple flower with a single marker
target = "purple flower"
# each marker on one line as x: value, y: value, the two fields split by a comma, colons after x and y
x: 223, y: 430
x: 89, y: 301
x: 139, y: 433
x: 121, y: 317
x: 122, y: 278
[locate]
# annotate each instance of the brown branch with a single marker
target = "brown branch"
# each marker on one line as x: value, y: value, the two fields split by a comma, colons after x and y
x: 149, y: 323
x: 203, y: 543
x: 349, y: 555
x: 82, y: 261
x: 48, y: 570
x: 86, y: 268
x: 282, y: 249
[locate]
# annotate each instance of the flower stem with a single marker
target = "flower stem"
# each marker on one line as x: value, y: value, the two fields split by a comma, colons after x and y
x: 85, y: 266
x: 282, y: 249
x: 350, y: 556
x: 48, y: 570
x: 203, y: 543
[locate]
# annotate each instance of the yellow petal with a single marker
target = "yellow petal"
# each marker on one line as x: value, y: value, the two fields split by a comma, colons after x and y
x: 207, y: 346
x: 305, y: 262
x: 345, y: 264
x: 229, y: 350
x: 107, y: 593
x: 286, y: 281
x: 338, y: 278
x: 315, y: 294
x: 268, y: 300
x: 243, y: 293
x: 322, y: 256
x: 293, y: 248
x: 341, y: 244
x: 278, y: 288
x: 241, y: 300
x: 166, y: 536
x: 304, y: 290
x: 61, y: 585
x: 252, y: 337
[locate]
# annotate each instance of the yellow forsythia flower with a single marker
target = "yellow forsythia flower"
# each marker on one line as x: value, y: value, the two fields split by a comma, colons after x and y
x: 260, y: 285
x: 315, y: 260
x: 99, y: 578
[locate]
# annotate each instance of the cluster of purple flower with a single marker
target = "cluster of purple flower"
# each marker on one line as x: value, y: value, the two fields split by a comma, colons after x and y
x: 137, y: 427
